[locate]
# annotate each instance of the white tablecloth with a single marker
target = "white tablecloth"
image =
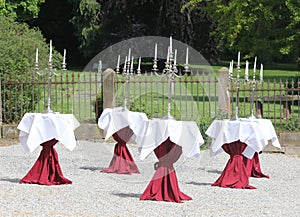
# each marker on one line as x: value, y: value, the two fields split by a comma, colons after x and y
x: 114, y: 119
x: 183, y: 133
x: 255, y: 133
x: 36, y: 128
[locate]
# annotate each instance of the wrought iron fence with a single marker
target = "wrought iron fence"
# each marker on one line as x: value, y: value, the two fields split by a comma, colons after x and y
x: 194, y: 97
x: 71, y: 92
x: 275, y: 100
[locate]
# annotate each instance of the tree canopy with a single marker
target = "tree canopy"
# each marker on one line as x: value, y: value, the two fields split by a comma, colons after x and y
x: 20, y: 10
x: 99, y: 24
x: 269, y: 29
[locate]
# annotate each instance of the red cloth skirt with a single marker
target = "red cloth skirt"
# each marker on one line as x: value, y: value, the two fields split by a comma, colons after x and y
x: 46, y: 170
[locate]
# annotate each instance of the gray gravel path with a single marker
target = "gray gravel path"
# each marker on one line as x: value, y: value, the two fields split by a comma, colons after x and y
x: 98, y: 194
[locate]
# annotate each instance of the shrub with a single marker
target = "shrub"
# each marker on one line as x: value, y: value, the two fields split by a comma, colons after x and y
x: 18, y: 45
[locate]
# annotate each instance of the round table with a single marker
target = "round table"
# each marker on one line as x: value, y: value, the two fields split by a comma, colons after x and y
x: 122, y: 125
x: 46, y: 130
x: 168, y: 139
x: 242, y: 139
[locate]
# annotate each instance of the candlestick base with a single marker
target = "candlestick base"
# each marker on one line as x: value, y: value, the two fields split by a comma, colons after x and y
x: 168, y: 117
x: 235, y: 118
x: 48, y: 110
x: 251, y: 117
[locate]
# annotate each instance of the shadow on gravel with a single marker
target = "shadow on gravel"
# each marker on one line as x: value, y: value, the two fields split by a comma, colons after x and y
x: 198, y: 183
x: 14, y: 180
x: 124, y: 195
x: 214, y: 171
x: 92, y: 168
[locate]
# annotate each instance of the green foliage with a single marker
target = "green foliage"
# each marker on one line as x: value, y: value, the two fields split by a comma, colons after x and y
x: 99, y: 105
x: 99, y: 24
x: 86, y: 22
x: 18, y: 46
x: 267, y: 29
x: 20, y: 10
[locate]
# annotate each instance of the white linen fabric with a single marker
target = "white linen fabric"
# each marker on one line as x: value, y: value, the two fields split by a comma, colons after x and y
x: 36, y: 128
x: 114, y: 119
x: 183, y: 133
x: 254, y: 132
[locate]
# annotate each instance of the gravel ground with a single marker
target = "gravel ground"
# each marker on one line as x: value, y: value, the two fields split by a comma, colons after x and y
x: 99, y: 194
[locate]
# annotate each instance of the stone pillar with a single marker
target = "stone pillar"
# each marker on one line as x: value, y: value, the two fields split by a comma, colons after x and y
x: 108, y: 88
x: 108, y: 91
x: 223, y: 93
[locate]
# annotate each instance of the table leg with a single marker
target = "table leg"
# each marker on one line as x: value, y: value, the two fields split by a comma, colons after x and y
x: 122, y: 161
x: 46, y: 170
x: 234, y: 174
x: 164, y: 185
x: 253, y: 167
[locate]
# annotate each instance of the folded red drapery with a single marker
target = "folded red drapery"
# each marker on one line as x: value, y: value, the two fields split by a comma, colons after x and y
x: 164, y: 185
x: 234, y: 174
x: 253, y: 167
x: 46, y: 170
x: 122, y: 161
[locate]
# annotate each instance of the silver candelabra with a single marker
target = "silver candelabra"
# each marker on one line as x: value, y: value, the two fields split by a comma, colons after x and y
x: 170, y: 71
x: 50, y: 71
x: 253, y: 82
x: 127, y: 72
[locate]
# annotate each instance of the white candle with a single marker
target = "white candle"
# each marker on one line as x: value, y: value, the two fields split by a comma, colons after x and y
x: 139, y: 66
x: 37, y: 55
x: 131, y: 66
x: 175, y: 56
x: 261, y: 72
x: 254, y: 67
x: 100, y: 66
x: 64, y: 59
x: 50, y: 53
x: 230, y: 70
x: 155, y: 52
x: 118, y: 63
x: 231, y: 67
x: 239, y: 54
x: 129, y: 54
x: 170, y: 44
x: 247, y: 71
x: 187, y: 56
x: 168, y: 55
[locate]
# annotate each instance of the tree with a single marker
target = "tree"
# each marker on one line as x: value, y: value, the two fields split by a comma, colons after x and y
x: 265, y: 28
x: 20, y: 10
x: 18, y: 45
x: 99, y: 24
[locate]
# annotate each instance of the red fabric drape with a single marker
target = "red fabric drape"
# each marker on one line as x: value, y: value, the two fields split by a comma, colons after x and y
x: 164, y: 185
x: 234, y: 175
x: 253, y: 167
x: 46, y: 170
x: 122, y: 161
